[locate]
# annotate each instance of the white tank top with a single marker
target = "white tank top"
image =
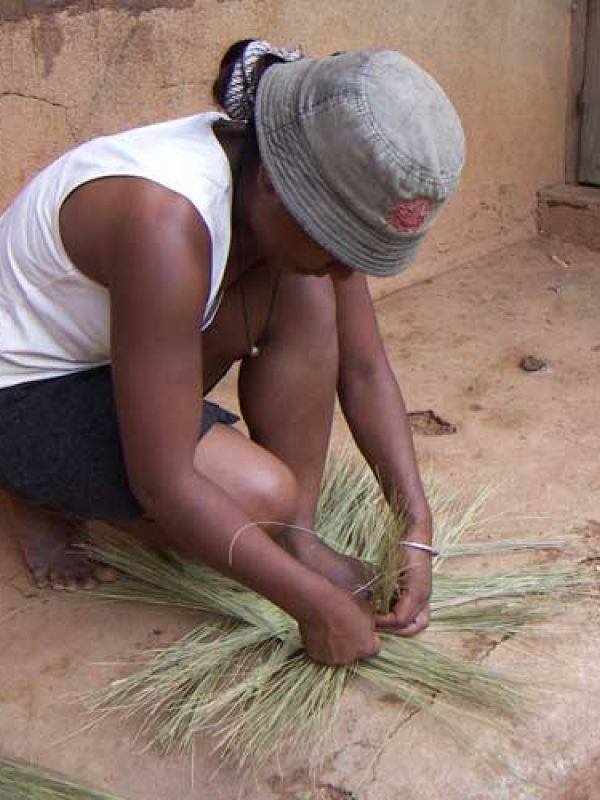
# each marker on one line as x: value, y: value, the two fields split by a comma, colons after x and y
x: 54, y: 320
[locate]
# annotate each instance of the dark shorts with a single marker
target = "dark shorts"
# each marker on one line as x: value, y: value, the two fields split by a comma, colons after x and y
x: 60, y: 445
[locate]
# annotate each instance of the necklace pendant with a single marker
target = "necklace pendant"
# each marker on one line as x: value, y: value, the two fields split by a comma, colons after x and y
x: 254, y: 351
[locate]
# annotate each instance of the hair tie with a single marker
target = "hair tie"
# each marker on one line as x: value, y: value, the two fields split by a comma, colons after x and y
x: 240, y: 93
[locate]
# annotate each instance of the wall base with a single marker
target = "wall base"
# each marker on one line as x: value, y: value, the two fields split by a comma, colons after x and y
x: 571, y: 212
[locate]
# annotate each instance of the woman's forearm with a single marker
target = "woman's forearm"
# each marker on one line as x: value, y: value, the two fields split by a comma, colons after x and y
x: 374, y: 408
x: 203, y: 523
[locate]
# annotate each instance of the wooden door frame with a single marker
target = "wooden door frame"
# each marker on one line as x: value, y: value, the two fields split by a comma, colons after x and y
x: 585, y: 14
x: 579, y: 12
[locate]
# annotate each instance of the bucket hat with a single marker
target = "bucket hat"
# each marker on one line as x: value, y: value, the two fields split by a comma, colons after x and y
x: 363, y: 149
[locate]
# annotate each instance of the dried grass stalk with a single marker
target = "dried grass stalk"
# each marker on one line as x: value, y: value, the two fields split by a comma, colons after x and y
x: 247, y: 682
x: 21, y: 781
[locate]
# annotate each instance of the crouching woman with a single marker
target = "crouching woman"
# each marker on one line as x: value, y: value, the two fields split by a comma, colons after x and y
x: 137, y: 268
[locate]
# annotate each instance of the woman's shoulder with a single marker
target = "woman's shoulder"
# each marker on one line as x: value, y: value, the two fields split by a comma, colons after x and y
x: 159, y: 147
x: 183, y: 155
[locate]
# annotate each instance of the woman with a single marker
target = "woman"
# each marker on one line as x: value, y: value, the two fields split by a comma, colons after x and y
x: 112, y: 256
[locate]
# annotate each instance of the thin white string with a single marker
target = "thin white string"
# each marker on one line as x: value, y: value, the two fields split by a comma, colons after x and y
x: 366, y: 586
x: 249, y: 525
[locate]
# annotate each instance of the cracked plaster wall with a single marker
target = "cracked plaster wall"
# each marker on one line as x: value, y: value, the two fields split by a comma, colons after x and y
x: 70, y: 70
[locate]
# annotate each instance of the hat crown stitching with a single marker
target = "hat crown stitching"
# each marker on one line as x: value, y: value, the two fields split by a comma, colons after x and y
x: 440, y: 179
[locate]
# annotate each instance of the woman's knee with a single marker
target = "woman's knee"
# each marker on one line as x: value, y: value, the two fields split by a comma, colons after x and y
x: 306, y: 317
x: 272, y: 495
x: 262, y: 484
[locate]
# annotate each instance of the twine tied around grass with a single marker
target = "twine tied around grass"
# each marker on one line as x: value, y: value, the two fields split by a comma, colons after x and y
x: 366, y: 587
x: 249, y: 525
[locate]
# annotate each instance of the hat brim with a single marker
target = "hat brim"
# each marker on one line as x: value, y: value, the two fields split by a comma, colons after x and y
x: 300, y: 185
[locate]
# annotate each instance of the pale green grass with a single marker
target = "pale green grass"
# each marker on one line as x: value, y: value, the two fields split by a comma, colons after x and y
x: 21, y: 781
x: 246, y: 682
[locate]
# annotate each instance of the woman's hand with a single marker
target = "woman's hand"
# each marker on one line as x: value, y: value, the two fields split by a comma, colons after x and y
x: 344, y: 632
x: 411, y: 612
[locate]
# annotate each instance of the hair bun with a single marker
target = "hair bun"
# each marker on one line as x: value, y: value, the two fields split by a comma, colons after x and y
x: 245, y: 63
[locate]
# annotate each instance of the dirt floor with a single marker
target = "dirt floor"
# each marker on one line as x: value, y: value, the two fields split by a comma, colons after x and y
x: 456, y: 343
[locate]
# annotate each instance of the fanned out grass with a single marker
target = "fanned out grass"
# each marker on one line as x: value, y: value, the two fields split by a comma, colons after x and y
x: 21, y: 781
x: 505, y: 546
x: 453, y: 589
x: 246, y: 681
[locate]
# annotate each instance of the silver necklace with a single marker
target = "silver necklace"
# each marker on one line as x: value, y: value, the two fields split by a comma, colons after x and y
x: 253, y: 348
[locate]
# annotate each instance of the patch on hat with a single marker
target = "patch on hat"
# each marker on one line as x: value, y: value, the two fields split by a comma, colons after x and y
x: 409, y: 215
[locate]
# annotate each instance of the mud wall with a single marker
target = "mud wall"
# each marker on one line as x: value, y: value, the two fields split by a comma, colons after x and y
x: 70, y: 69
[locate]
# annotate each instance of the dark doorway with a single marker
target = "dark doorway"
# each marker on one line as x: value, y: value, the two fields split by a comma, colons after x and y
x: 589, y: 144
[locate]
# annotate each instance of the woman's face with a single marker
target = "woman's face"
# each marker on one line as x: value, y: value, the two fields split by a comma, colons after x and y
x: 280, y: 238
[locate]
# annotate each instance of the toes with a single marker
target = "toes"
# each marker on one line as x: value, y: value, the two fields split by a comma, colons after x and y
x: 55, y: 560
x: 76, y: 583
x: 87, y: 582
x: 104, y: 574
x: 418, y: 624
x: 58, y: 582
x: 73, y: 580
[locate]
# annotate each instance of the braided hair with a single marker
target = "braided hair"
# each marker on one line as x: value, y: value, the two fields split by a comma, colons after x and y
x: 240, y: 72
x: 234, y: 90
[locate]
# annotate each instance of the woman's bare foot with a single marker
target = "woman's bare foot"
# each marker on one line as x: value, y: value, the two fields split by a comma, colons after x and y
x: 349, y: 573
x: 49, y: 545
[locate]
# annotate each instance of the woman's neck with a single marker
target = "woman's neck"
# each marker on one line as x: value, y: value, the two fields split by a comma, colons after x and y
x: 232, y: 137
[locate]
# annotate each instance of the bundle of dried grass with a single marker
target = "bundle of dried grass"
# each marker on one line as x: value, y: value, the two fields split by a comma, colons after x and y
x: 21, y: 781
x: 246, y: 681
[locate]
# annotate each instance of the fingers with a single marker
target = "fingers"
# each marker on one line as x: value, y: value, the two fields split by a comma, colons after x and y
x: 405, y: 610
x: 367, y: 652
x: 402, y: 623
x: 341, y: 633
x: 411, y: 613
x: 419, y: 624
x: 384, y: 621
x: 343, y: 654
